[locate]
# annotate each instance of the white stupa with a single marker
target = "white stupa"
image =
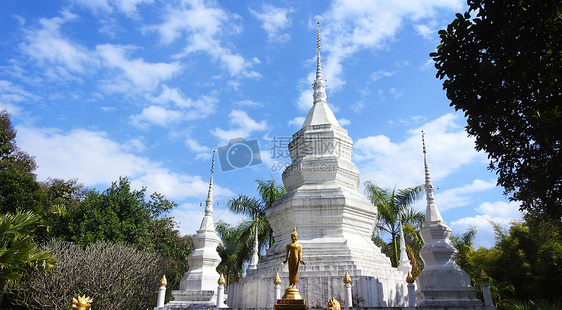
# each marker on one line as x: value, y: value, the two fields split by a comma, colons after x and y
x: 334, y: 221
x: 198, y: 287
x: 442, y: 284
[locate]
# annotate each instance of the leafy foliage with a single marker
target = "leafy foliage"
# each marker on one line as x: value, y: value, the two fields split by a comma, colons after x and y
x: 255, y: 209
x: 525, y: 263
x: 11, y: 157
x: 501, y: 62
x: 231, y: 250
x: 19, y: 192
x: 539, y: 304
x: 114, y: 275
x: 61, y: 198
x: 18, y: 251
x: 394, y: 208
x: 463, y: 243
x: 173, y: 249
x: 118, y: 214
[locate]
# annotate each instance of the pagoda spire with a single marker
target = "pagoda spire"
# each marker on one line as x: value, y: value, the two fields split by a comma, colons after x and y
x: 209, y: 201
x: 319, y: 86
x: 320, y: 113
x: 432, y: 214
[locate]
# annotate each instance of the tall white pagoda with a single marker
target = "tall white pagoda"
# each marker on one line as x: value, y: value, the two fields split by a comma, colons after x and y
x: 335, y: 223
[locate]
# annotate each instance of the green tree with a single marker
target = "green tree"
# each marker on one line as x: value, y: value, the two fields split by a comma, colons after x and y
x: 11, y: 157
x: 394, y: 208
x: 173, y: 247
x: 19, y: 192
x: 18, y: 251
x: 464, y: 244
x: 118, y: 214
x: 501, y: 63
x: 527, y: 255
x: 255, y: 210
x: 231, y: 250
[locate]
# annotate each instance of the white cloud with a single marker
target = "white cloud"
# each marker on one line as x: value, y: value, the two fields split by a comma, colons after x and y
x: 89, y: 155
x: 297, y: 121
x: 203, y: 25
x: 499, y: 212
x: 189, y: 216
x: 400, y: 163
x: 427, y: 31
x: 156, y: 115
x: 10, y: 93
x: 396, y: 93
x: 128, y: 7
x: 108, y: 109
x: 58, y: 54
x: 413, y: 120
x: 344, y: 122
x: 428, y: 64
x: 304, y: 102
x: 201, y: 151
x: 248, y: 103
x: 357, y: 25
x: 173, y: 107
x: 379, y: 74
x: 65, y: 59
x: 274, y: 20
x: 142, y: 74
x: 462, y: 196
x: 93, y: 158
x: 242, y: 125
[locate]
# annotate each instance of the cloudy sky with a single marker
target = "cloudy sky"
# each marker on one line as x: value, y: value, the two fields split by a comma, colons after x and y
x: 147, y: 89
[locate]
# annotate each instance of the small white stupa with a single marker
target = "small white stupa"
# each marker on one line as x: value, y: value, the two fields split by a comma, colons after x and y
x: 404, y: 264
x: 198, y: 287
x: 442, y: 284
x: 255, y: 252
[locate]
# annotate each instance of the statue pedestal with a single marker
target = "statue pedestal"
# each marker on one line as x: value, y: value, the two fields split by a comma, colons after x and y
x: 290, y: 304
x: 292, y: 300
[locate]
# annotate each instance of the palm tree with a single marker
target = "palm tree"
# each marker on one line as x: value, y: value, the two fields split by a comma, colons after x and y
x: 230, y: 250
x: 395, y: 207
x: 18, y: 251
x: 463, y: 243
x: 255, y: 209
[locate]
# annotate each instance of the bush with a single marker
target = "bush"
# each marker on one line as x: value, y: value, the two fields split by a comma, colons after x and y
x: 114, y: 275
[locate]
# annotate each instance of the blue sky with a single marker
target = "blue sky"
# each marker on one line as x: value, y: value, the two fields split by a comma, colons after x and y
x: 148, y: 89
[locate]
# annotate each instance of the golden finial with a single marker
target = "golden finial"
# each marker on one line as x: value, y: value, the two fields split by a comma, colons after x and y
x: 484, y: 276
x: 82, y: 303
x: 333, y: 304
x: 163, y: 281
x: 346, y: 278
x: 277, y: 279
x: 221, y: 280
x: 318, y: 37
x: 410, y: 277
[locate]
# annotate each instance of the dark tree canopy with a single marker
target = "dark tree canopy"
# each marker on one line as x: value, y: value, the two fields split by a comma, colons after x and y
x: 11, y: 157
x: 501, y: 62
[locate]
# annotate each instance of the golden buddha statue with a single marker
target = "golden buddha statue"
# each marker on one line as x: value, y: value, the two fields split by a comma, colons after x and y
x: 293, y: 256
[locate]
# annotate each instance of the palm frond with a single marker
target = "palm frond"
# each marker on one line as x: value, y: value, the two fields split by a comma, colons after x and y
x: 245, y: 205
